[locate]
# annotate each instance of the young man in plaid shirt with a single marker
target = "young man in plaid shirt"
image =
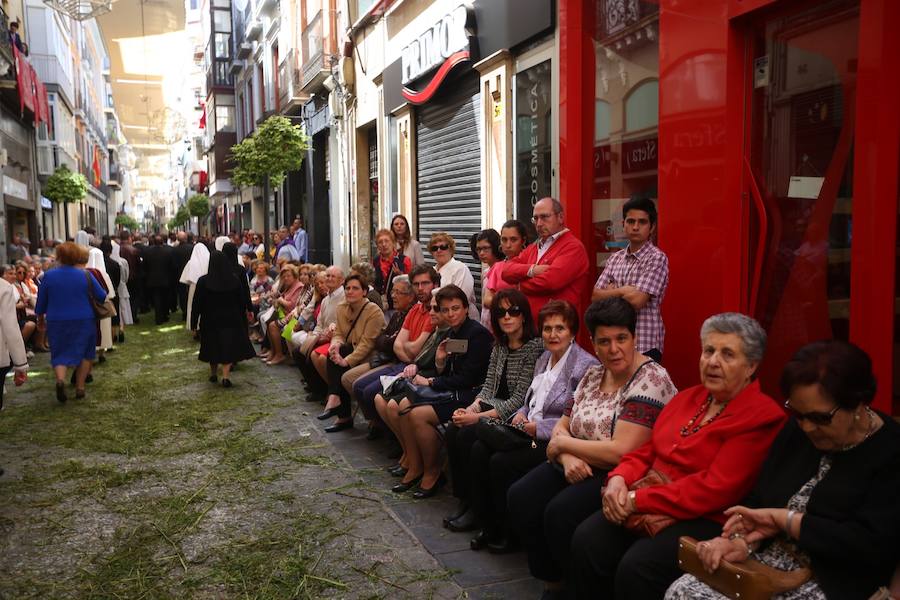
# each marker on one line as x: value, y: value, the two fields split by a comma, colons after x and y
x: 640, y: 275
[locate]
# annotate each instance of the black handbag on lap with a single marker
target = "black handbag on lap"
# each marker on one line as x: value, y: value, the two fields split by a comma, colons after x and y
x: 501, y: 436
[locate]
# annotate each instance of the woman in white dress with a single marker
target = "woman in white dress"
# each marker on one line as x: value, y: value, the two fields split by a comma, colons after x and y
x: 95, y: 261
x: 196, y: 268
x: 442, y: 247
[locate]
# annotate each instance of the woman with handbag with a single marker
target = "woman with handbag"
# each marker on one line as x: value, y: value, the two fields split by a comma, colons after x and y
x: 496, y: 463
x: 65, y: 304
x: 461, y: 360
x: 611, y: 414
x: 516, y: 350
x: 359, y: 321
x: 383, y: 357
x: 220, y: 314
x: 704, y: 454
x: 826, y: 497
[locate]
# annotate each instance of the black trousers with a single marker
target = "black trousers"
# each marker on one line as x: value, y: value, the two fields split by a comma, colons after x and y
x: 545, y: 510
x: 135, y: 292
x: 492, y: 474
x: 160, y: 297
x: 182, y: 299
x: 608, y: 561
x: 314, y: 383
x: 335, y: 372
x: 459, y: 451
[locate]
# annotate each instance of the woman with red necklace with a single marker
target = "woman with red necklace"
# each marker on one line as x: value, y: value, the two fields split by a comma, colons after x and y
x: 704, y: 455
x: 388, y: 264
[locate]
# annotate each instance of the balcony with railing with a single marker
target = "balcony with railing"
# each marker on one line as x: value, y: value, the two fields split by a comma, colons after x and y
x: 315, y: 69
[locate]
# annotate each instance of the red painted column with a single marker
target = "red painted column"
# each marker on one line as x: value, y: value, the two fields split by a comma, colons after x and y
x: 875, y: 191
x: 576, y: 115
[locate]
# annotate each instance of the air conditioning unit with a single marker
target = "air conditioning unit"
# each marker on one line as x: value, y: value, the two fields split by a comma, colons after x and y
x: 244, y: 49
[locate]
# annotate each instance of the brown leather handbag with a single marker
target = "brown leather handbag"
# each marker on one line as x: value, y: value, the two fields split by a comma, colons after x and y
x: 749, y: 580
x: 649, y: 524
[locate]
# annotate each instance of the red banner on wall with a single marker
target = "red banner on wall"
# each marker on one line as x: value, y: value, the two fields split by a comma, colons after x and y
x: 23, y: 79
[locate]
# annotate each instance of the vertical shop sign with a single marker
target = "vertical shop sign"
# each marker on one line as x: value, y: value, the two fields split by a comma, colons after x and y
x: 533, y: 144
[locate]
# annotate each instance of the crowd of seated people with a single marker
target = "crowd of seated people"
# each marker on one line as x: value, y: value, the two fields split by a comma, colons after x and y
x: 593, y: 463
x: 25, y: 277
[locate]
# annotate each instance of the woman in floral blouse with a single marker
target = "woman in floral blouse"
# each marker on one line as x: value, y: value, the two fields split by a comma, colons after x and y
x: 611, y: 414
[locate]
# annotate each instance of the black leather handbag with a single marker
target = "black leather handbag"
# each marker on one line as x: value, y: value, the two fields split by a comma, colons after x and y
x: 501, y: 436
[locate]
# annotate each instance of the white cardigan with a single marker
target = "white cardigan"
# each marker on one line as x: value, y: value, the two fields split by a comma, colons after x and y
x: 11, y: 343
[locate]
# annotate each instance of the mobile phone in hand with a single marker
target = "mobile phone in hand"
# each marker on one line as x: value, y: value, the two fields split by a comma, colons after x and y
x: 457, y: 346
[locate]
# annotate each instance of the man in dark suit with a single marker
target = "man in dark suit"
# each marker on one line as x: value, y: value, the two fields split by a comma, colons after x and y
x: 158, y: 266
x: 182, y: 255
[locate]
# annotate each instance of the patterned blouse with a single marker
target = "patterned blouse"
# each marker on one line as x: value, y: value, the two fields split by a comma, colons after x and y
x: 593, y: 413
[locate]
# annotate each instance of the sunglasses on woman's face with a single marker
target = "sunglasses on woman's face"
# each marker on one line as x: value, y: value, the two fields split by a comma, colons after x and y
x: 816, y: 418
x: 441, y: 247
x: 513, y: 311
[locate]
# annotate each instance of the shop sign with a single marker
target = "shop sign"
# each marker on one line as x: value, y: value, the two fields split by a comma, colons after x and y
x: 443, y: 46
x: 533, y: 116
x: 15, y: 188
x: 45, y: 203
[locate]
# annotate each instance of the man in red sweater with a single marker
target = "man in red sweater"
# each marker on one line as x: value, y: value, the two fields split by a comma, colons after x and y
x: 553, y: 268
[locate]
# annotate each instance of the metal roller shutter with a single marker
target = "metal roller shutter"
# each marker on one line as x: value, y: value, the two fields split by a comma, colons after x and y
x: 449, y: 168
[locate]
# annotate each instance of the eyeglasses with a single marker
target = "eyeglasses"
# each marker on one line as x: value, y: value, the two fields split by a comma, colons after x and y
x: 815, y: 417
x: 543, y: 217
x: 433, y: 308
x: 513, y: 311
x: 437, y: 247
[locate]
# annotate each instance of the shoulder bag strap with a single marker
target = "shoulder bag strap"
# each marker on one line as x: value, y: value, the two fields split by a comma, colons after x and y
x: 90, y: 288
x: 353, y: 324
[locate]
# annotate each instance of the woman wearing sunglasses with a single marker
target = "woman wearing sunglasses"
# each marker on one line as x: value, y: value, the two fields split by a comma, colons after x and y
x: 442, y: 247
x: 611, y: 414
x: 827, y: 493
x: 510, y: 370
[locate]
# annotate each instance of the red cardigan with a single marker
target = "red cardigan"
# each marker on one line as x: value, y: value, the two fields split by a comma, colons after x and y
x: 564, y: 280
x: 711, y: 470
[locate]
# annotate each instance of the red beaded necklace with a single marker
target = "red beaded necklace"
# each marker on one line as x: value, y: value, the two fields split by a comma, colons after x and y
x: 693, y: 426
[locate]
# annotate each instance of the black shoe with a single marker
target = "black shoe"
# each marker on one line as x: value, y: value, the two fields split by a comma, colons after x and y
x: 422, y: 493
x: 398, y: 471
x: 121, y: 338
x: 339, y: 426
x: 467, y: 521
x: 406, y: 486
x: 61, y: 393
x: 89, y: 378
x: 374, y: 433
x: 461, y: 509
x: 329, y: 412
x: 226, y: 383
x: 479, y: 541
x: 504, y: 545
x: 213, y: 379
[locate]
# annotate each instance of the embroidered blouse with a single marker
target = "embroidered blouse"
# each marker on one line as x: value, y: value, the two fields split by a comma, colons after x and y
x: 593, y: 413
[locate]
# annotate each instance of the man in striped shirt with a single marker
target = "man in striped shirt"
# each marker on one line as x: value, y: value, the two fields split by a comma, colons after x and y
x: 639, y: 273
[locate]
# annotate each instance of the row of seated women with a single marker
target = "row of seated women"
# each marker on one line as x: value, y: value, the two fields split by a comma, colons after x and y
x: 598, y: 465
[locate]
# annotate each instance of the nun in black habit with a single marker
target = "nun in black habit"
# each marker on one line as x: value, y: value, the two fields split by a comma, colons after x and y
x: 220, y: 305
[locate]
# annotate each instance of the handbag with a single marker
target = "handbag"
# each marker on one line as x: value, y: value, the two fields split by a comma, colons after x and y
x: 749, y: 580
x: 649, y: 524
x: 102, y: 310
x: 500, y: 436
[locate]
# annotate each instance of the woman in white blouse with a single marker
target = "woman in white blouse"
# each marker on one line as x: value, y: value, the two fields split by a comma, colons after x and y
x: 442, y: 247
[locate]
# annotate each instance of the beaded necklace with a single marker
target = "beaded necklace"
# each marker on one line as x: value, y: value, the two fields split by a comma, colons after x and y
x: 693, y: 426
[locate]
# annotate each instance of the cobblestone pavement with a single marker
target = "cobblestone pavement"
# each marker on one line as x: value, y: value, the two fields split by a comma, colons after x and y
x: 162, y: 485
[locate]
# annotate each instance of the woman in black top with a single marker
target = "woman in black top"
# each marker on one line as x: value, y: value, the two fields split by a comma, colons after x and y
x: 221, y: 302
x: 827, y: 493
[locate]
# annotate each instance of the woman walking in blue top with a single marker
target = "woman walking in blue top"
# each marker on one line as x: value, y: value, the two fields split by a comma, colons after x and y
x: 64, y: 303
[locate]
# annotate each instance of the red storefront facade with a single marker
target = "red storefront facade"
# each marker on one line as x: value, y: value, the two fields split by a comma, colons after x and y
x: 774, y: 161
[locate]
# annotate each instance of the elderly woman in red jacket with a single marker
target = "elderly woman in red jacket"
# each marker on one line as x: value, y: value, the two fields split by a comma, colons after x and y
x: 705, y: 453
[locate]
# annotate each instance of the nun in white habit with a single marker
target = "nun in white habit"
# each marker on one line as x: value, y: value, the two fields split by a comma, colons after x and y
x: 125, y: 316
x: 221, y: 241
x: 83, y: 238
x: 195, y: 268
x: 95, y: 261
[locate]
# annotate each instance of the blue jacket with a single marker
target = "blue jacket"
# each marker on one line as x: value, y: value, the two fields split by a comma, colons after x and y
x: 63, y: 295
x: 577, y: 363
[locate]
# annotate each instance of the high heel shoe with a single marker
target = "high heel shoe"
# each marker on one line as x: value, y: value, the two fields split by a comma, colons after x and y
x: 422, y: 493
x: 405, y: 486
x: 329, y: 412
x: 479, y: 541
x: 467, y: 521
x: 461, y: 509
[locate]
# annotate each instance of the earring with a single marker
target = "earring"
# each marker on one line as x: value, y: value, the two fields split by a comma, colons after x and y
x: 856, y: 416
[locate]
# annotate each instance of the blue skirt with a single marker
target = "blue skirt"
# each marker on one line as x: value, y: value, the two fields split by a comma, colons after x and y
x: 72, y: 341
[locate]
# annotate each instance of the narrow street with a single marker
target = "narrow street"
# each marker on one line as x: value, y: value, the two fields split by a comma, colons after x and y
x: 162, y: 485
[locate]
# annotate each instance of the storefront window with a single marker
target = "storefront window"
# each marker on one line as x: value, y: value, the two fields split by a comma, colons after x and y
x: 626, y: 90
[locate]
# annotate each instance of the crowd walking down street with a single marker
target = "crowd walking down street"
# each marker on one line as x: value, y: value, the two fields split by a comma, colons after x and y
x: 587, y: 463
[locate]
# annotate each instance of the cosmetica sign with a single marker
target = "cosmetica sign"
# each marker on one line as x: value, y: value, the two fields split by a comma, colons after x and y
x: 441, y: 47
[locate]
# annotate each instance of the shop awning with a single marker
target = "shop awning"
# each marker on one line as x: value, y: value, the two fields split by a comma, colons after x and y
x: 32, y: 93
